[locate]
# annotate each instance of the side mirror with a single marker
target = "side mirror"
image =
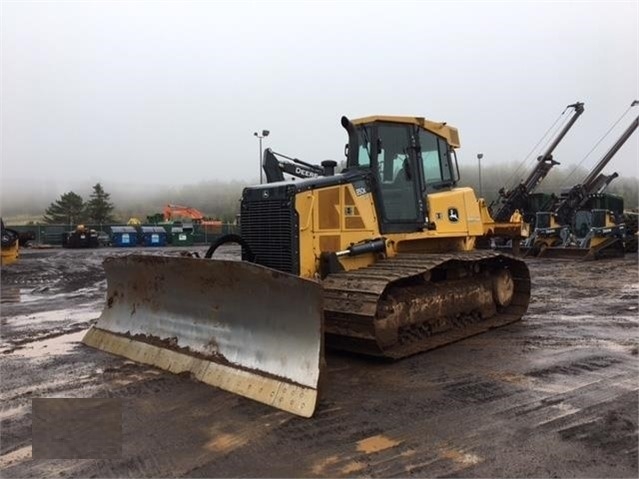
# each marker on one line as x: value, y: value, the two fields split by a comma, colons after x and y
x: 453, y: 162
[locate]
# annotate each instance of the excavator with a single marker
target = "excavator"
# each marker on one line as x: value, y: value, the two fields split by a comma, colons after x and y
x: 179, y: 212
x: 584, y: 221
x: 378, y: 259
x: 275, y: 165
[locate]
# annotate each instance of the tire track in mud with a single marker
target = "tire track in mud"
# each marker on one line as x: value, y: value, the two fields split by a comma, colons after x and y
x: 43, y: 295
x: 555, y: 394
x: 430, y: 446
x: 53, y: 287
x: 457, y: 452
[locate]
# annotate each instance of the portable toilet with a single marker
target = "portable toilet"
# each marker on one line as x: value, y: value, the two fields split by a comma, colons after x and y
x: 181, y: 236
x: 153, y: 236
x: 123, y: 236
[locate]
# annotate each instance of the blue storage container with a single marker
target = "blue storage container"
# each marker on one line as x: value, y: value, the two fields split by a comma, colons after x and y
x: 123, y: 236
x: 153, y: 236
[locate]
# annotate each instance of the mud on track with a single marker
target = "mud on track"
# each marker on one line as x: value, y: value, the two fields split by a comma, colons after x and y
x: 554, y: 395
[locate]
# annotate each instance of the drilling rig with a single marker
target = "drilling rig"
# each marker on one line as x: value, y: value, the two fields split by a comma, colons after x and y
x: 583, y: 220
x: 520, y: 197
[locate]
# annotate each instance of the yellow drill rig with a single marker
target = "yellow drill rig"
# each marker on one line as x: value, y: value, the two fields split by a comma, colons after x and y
x: 378, y: 259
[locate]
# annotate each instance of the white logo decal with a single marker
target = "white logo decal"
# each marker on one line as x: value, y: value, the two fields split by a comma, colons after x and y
x: 308, y: 174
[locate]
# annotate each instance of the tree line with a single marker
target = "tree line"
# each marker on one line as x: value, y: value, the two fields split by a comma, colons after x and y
x: 220, y: 199
x: 71, y: 208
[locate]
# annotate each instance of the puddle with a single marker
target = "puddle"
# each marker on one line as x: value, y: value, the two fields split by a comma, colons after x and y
x: 318, y: 469
x: 74, y: 315
x: 376, y: 444
x: 58, y: 346
x: 226, y: 442
x: 17, y: 456
x: 352, y: 467
x: 557, y: 411
x: 10, y: 412
x: 465, y: 459
x: 15, y: 294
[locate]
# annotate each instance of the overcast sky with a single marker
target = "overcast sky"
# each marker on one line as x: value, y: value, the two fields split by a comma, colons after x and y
x: 171, y: 92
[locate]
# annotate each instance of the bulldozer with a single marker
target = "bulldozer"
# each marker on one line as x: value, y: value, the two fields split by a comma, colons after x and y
x: 378, y: 259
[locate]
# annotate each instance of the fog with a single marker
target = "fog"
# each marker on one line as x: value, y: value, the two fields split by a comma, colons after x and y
x: 221, y: 199
x: 151, y: 97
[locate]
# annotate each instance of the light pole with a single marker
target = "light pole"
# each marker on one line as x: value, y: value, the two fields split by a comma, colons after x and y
x: 264, y: 134
x: 479, y: 157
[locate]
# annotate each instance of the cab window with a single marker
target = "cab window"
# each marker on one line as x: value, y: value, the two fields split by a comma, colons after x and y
x: 397, y: 182
x: 430, y: 156
x: 365, y: 153
x: 435, y: 158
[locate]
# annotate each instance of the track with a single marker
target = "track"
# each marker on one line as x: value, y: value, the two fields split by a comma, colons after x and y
x: 413, y: 303
x: 552, y: 395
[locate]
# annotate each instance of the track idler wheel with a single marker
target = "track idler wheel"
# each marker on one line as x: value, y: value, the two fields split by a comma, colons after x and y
x: 503, y: 288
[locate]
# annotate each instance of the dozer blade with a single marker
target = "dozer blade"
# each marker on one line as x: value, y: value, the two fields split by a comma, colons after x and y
x: 609, y: 248
x: 242, y: 327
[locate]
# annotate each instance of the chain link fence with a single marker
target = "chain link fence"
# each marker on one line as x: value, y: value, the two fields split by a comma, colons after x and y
x: 47, y: 234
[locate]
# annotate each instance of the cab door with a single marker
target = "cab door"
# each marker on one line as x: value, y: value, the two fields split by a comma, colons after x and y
x: 397, y: 175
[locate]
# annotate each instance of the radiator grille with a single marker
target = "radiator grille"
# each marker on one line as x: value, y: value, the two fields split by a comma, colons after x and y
x: 269, y: 226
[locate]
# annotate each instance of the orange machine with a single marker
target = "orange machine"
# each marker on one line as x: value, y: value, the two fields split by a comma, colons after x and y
x: 181, y: 213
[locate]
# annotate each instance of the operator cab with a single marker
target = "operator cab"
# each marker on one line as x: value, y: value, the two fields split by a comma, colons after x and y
x: 408, y: 161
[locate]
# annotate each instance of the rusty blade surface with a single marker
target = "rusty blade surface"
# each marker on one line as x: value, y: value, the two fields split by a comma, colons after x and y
x: 254, y: 323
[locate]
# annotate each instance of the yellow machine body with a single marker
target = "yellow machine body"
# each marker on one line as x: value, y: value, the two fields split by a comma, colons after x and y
x: 10, y: 246
x: 442, y: 129
x: 555, y: 240
x: 10, y: 254
x: 378, y: 259
x: 334, y: 218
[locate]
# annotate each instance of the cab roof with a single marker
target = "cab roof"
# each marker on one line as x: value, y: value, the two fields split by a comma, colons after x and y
x: 450, y: 133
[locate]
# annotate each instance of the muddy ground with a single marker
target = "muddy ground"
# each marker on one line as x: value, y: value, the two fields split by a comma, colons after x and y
x: 554, y: 395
